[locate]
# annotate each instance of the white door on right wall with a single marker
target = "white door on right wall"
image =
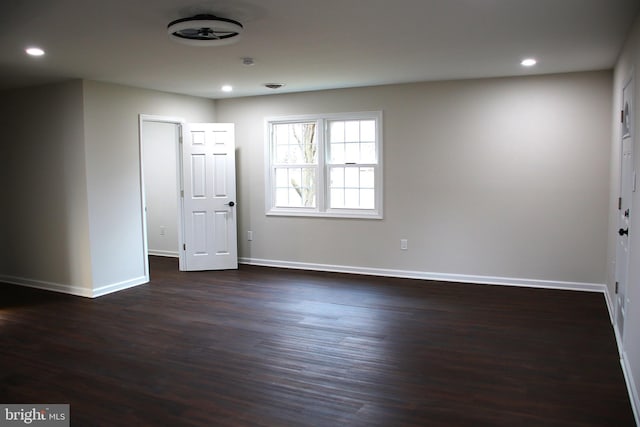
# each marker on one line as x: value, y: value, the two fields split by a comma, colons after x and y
x: 627, y: 187
x: 209, y: 212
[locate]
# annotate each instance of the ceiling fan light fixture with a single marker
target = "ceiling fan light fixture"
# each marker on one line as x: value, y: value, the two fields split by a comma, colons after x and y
x: 205, y: 30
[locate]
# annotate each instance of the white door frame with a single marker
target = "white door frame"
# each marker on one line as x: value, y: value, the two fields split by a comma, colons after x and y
x: 160, y: 119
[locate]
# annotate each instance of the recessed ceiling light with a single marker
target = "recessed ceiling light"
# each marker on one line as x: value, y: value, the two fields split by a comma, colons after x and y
x: 227, y: 88
x: 34, y: 51
x: 529, y: 62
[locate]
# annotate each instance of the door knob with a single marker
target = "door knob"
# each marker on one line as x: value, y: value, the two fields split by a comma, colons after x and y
x: 231, y: 204
x: 622, y: 232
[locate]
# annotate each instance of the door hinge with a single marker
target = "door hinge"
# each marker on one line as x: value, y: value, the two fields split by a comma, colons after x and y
x: 619, y: 203
x: 182, y: 193
x: 184, y: 246
x: 621, y: 116
x: 617, y: 287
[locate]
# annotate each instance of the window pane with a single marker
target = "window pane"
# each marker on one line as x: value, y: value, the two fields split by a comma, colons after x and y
x: 352, y: 153
x: 295, y: 176
x: 368, y: 152
x: 336, y: 130
x: 337, y: 198
x: 295, y: 143
x: 337, y: 153
x: 295, y: 155
x: 281, y: 134
x: 351, y: 198
x: 368, y: 130
x: 337, y: 177
x: 352, y: 131
x: 295, y: 200
x: 282, y: 178
x: 295, y: 187
x: 282, y: 197
x: 304, y: 136
x: 367, y: 199
x: 367, y: 178
x: 351, y: 178
x: 282, y: 153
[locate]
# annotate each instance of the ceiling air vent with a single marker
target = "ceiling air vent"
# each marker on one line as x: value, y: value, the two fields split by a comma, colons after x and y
x: 205, y: 30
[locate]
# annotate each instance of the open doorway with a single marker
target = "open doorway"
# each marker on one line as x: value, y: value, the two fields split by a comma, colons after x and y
x: 161, y: 175
x: 188, y: 192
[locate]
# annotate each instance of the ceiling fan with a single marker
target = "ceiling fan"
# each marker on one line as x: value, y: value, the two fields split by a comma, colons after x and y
x: 205, y: 30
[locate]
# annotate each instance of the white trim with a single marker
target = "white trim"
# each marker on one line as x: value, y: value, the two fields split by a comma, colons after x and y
x: 631, y: 387
x: 425, y: 275
x: 126, y: 284
x: 611, y: 309
x: 329, y: 213
x: 610, y: 305
x: 73, y: 290
x: 48, y: 286
x: 171, y: 254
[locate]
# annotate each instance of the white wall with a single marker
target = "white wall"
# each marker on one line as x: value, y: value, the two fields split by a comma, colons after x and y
x: 628, y: 61
x: 113, y: 174
x: 159, y: 159
x: 70, y: 158
x: 44, y: 216
x: 503, y: 178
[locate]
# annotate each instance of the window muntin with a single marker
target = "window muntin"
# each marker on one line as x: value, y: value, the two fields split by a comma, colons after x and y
x: 325, y: 165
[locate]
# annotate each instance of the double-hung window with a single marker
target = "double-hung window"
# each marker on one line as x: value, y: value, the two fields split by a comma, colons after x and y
x: 325, y: 165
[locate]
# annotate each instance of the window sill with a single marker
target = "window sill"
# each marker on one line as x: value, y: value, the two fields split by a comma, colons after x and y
x: 348, y: 214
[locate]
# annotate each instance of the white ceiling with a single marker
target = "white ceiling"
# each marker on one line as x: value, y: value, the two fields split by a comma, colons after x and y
x: 307, y: 44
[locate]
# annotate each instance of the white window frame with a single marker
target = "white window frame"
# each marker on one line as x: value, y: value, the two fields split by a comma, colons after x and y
x: 322, y: 209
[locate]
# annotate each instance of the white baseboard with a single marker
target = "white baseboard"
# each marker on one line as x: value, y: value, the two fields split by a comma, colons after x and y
x: 631, y: 386
x: 425, y: 275
x: 126, y: 284
x: 48, y: 286
x: 610, y: 305
x: 73, y: 290
x: 171, y: 254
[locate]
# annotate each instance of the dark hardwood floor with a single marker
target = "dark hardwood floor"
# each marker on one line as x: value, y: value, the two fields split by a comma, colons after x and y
x: 270, y: 347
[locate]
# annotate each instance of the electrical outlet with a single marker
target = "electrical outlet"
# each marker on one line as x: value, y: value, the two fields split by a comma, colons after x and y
x: 249, y: 235
x: 404, y: 244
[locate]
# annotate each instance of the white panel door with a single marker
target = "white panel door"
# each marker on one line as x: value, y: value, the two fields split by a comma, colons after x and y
x: 209, y: 185
x: 627, y: 184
